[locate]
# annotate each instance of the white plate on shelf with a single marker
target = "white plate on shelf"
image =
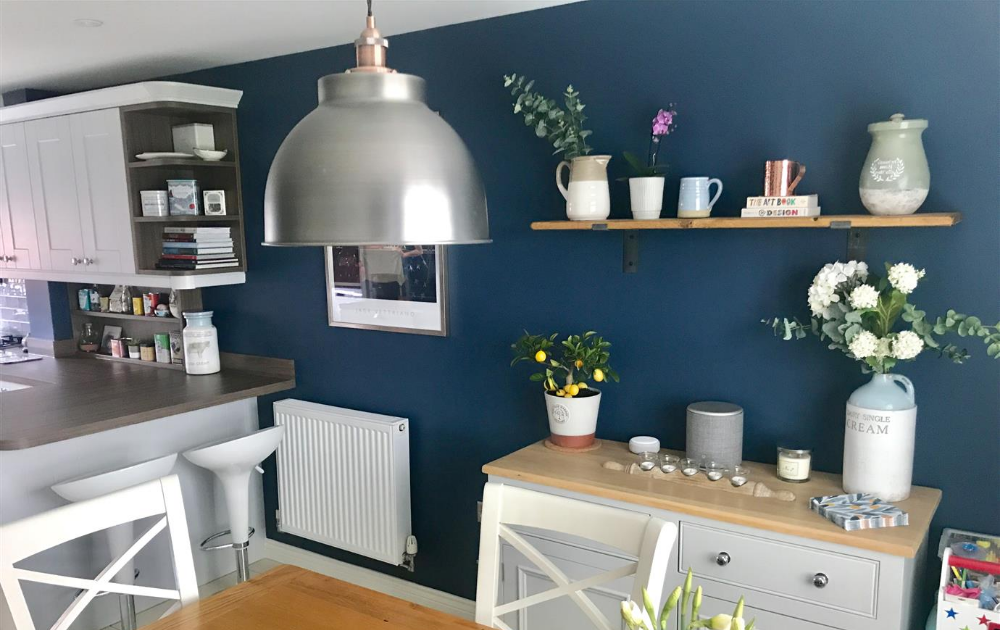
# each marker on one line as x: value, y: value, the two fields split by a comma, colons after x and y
x: 160, y: 155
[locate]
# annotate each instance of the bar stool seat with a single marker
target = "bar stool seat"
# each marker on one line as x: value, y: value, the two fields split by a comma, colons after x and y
x: 233, y: 461
x: 120, y: 538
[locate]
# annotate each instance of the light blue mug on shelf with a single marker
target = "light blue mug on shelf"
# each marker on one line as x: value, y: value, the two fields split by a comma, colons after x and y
x: 693, y: 201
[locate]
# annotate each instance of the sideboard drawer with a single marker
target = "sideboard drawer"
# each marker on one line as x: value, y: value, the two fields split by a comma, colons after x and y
x: 780, y: 568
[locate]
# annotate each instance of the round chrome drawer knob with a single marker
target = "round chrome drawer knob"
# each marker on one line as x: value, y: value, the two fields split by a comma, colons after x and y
x: 723, y: 559
x: 820, y: 580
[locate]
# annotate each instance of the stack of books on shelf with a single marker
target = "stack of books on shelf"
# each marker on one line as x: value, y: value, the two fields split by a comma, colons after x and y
x: 772, y: 207
x: 189, y: 248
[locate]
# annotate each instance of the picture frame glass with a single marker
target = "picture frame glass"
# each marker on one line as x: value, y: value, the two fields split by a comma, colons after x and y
x: 396, y: 288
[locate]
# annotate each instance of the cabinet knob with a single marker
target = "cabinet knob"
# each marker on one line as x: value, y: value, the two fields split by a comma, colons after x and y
x: 722, y: 559
x: 75, y: 261
x: 11, y: 258
x: 820, y: 580
x: 88, y: 261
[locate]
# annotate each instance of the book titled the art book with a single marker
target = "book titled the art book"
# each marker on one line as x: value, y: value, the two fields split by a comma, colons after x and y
x: 794, y: 201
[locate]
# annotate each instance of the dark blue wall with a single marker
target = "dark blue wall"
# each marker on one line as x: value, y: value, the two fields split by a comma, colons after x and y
x: 752, y: 81
x: 49, y: 310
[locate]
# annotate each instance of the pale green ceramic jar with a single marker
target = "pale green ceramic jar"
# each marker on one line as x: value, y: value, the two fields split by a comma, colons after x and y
x: 895, y: 179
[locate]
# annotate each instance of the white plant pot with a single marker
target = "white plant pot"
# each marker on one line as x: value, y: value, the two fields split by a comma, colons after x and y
x: 572, y: 421
x: 647, y: 197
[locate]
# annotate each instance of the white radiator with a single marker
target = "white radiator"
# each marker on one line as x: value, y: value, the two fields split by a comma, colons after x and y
x: 344, y: 478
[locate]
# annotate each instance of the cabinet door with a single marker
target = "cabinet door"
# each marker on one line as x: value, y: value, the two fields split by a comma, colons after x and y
x: 17, y: 211
x: 53, y: 188
x: 102, y: 191
x: 521, y: 578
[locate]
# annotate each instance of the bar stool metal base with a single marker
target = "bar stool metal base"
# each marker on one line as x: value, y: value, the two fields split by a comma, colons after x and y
x: 242, y: 553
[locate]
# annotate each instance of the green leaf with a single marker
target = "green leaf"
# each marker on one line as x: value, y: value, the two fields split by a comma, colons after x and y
x: 537, y: 377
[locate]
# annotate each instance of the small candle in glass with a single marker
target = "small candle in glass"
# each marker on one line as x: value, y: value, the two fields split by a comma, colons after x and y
x: 689, y: 467
x: 668, y: 462
x: 794, y: 465
x: 648, y: 460
x: 738, y: 476
x: 714, y: 471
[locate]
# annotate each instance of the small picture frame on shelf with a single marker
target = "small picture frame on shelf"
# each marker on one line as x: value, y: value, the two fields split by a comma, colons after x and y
x: 395, y: 288
x: 110, y: 332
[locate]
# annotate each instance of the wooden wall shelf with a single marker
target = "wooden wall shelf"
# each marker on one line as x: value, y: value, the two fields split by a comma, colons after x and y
x: 835, y: 221
x: 857, y: 226
x: 180, y: 218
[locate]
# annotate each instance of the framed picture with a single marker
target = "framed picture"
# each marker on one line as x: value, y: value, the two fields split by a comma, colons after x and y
x: 397, y: 288
x: 110, y: 332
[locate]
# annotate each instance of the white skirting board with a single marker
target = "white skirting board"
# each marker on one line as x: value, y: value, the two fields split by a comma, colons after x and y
x: 415, y: 593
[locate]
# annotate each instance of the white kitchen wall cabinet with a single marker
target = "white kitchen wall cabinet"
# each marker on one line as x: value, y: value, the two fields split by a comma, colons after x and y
x: 53, y: 191
x: 18, y: 236
x: 102, y: 191
x: 70, y: 184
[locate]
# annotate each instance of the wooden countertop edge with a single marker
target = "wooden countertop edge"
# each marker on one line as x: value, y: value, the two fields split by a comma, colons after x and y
x: 839, y: 537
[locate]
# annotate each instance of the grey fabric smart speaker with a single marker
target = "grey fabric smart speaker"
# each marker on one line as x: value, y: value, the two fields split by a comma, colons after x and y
x: 715, y: 433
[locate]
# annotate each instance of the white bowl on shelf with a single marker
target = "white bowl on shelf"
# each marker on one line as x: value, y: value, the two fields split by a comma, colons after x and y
x: 210, y: 156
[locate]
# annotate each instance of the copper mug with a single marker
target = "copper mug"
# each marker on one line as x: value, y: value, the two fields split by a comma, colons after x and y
x: 781, y: 177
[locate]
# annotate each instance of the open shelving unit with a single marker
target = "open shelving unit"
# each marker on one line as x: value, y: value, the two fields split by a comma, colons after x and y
x: 148, y: 127
x: 855, y: 224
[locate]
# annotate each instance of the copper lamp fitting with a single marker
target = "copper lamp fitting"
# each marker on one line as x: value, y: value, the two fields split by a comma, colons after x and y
x: 370, y: 49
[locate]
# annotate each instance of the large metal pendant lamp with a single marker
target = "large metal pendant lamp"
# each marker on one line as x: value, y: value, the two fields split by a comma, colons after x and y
x: 372, y: 165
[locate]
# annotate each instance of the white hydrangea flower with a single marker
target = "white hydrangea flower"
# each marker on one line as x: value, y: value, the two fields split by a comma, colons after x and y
x: 823, y: 291
x: 864, y: 296
x: 903, y: 277
x: 907, y: 345
x: 863, y: 345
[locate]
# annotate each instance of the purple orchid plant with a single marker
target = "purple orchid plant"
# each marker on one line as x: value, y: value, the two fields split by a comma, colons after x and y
x: 663, y: 125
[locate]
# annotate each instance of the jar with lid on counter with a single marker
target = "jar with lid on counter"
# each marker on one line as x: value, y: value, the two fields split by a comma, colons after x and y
x: 201, y: 344
x: 794, y: 464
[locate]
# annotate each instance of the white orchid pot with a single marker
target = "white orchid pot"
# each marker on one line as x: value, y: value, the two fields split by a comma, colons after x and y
x: 573, y: 421
x: 647, y: 197
x: 879, y: 437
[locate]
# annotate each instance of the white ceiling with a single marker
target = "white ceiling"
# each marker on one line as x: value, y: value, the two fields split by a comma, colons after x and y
x: 41, y: 47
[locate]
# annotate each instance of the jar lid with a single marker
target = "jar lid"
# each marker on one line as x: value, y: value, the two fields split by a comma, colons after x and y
x: 715, y: 408
x: 896, y: 123
x: 644, y: 444
x: 795, y: 451
x: 198, y: 314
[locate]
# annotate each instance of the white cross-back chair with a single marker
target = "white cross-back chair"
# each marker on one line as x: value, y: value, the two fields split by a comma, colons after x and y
x: 504, y: 507
x: 25, y: 538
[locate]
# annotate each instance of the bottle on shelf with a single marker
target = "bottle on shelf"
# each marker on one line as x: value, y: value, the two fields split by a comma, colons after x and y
x: 89, y: 341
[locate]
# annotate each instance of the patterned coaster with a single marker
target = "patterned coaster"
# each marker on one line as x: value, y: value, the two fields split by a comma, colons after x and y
x: 859, y: 511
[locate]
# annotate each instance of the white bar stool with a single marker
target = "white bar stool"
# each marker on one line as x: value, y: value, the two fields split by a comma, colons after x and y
x: 233, y: 460
x: 120, y: 538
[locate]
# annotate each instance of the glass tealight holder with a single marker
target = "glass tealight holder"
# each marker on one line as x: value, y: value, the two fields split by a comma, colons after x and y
x: 714, y: 471
x: 668, y: 462
x: 738, y: 476
x: 689, y: 467
x: 648, y: 460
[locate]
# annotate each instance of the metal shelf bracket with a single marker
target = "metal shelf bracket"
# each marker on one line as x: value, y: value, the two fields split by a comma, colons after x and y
x: 630, y: 251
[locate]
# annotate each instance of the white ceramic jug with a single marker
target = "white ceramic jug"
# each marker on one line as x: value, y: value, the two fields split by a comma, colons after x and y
x: 587, y: 198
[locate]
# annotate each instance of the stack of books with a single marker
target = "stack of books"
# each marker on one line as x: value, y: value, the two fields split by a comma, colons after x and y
x: 187, y: 248
x: 770, y: 207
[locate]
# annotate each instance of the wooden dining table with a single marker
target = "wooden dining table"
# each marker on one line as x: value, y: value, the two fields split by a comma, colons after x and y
x: 291, y: 598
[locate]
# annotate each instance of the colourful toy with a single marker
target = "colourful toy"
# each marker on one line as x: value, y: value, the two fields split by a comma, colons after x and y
x: 960, y: 605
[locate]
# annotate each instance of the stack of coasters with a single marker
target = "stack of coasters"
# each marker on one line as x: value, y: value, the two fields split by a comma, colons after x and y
x: 859, y: 511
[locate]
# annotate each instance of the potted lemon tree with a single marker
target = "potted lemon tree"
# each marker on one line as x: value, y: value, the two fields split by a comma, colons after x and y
x: 563, y: 368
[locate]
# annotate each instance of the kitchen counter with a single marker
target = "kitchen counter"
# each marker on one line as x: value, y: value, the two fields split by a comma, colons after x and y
x: 585, y: 473
x: 73, y: 397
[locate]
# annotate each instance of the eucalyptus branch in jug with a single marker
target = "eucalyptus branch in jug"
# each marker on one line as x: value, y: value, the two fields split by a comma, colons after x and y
x: 562, y: 127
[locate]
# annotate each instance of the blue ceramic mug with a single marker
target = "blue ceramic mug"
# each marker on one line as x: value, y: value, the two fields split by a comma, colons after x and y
x: 693, y: 201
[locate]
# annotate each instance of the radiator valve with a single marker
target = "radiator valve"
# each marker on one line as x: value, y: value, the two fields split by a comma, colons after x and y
x: 409, y: 558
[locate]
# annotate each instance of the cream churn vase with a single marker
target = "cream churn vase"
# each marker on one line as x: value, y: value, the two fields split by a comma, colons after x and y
x: 587, y: 198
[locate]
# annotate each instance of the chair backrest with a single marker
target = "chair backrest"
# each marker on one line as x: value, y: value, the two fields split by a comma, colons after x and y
x: 25, y: 538
x: 648, y: 539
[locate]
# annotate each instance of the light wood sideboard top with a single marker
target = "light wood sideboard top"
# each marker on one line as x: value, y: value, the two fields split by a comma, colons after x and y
x: 585, y: 473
